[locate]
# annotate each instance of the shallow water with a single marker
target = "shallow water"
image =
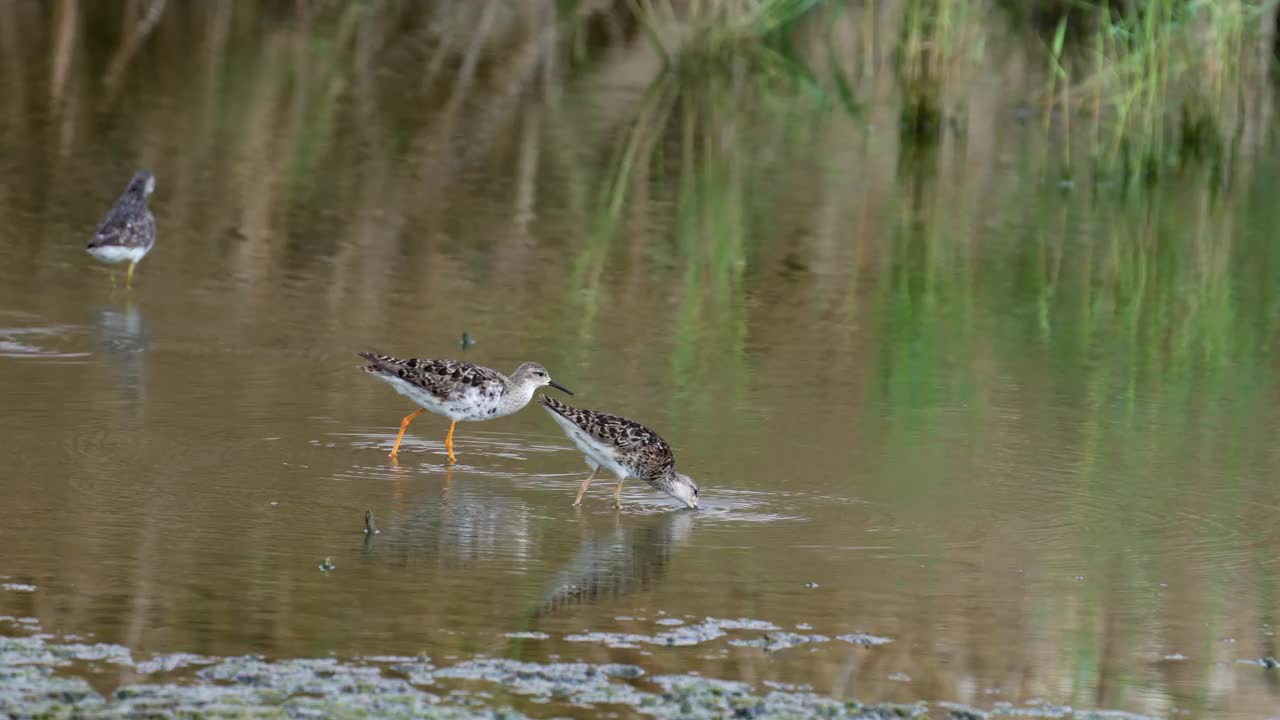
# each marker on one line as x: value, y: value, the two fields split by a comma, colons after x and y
x: 962, y: 435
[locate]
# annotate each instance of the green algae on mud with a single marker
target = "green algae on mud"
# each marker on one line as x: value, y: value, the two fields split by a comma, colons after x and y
x: 252, y: 687
x: 33, y: 686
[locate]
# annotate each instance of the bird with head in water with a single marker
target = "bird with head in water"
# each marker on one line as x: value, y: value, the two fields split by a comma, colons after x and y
x: 128, y: 231
x: 460, y: 391
x: 624, y: 447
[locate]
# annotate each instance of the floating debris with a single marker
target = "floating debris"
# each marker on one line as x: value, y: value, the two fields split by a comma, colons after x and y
x: 741, y: 624
x: 811, y: 585
x: 705, y: 631
x: 613, y: 640
x: 865, y: 639
x: 369, y: 527
x: 695, y: 697
x: 773, y: 642
x: 95, y: 652
x: 467, y: 340
x: 788, y: 687
x: 394, y: 658
x: 956, y: 711
x: 18, y: 587
x: 1268, y: 662
x: 169, y: 663
x: 34, y: 650
x: 322, y: 676
x: 327, y: 566
x: 585, y: 682
x: 419, y: 670
x: 1041, y: 709
x: 528, y: 635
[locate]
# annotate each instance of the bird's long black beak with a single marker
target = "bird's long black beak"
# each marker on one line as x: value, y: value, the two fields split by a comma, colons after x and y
x: 560, y: 387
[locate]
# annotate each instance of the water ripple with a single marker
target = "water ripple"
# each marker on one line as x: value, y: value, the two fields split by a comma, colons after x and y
x: 38, y: 342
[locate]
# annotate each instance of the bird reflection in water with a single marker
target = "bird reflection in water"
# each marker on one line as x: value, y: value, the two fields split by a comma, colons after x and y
x: 122, y: 336
x: 456, y: 525
x: 402, y: 482
x: 621, y: 561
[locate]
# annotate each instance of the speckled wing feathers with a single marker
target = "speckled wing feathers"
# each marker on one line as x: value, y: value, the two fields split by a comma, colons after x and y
x: 444, y: 379
x: 647, y: 452
x: 127, y: 224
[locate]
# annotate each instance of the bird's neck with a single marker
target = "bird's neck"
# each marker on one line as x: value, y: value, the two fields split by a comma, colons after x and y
x: 517, y: 396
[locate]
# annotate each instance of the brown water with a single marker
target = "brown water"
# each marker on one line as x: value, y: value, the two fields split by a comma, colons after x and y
x: 1026, y: 432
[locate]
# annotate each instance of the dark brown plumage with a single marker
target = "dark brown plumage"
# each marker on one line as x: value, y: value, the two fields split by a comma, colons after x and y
x: 623, y: 446
x: 647, y: 454
x: 444, y: 379
x: 128, y: 231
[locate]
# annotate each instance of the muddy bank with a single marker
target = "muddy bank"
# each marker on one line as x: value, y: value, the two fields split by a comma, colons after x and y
x: 42, y: 676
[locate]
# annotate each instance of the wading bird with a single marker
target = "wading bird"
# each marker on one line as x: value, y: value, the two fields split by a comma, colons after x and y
x: 624, y: 447
x: 128, y: 231
x: 457, y: 390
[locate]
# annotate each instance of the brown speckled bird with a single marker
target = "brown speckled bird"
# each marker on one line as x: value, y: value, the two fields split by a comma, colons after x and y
x: 625, y: 447
x: 128, y: 231
x: 457, y: 390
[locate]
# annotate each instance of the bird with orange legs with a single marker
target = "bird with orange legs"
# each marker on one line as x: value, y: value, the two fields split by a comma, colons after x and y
x: 460, y: 391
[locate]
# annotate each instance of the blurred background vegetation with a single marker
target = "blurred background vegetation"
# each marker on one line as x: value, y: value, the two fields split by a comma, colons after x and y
x: 1139, y: 86
x: 922, y: 165
x: 1027, y: 246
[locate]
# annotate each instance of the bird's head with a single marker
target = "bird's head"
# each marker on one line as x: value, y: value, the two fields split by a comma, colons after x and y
x: 143, y: 183
x: 685, y: 490
x: 534, y: 375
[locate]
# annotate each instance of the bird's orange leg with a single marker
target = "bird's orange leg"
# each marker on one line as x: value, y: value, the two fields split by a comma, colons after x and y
x: 404, y: 425
x: 583, y: 490
x: 448, y: 441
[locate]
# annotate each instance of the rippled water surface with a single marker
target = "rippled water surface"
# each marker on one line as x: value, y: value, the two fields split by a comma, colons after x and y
x: 963, y: 434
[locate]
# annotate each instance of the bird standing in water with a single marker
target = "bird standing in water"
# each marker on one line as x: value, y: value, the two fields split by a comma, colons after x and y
x: 457, y: 390
x: 128, y: 231
x: 624, y: 447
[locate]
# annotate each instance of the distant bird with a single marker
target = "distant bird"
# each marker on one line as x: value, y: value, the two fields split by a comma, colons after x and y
x: 457, y: 390
x: 624, y: 447
x: 128, y: 231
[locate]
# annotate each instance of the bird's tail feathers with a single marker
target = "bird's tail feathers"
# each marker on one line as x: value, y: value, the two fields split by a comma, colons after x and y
x: 379, y: 364
x: 553, y: 404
